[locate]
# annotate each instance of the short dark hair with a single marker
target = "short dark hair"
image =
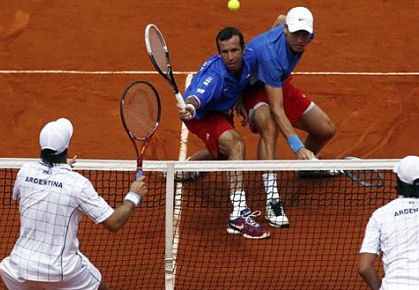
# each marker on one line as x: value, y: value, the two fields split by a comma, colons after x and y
x: 227, y: 33
x: 407, y: 190
x: 50, y: 157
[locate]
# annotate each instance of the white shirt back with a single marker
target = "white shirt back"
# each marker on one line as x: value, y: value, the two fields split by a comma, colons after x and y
x: 51, y: 204
x: 393, y: 230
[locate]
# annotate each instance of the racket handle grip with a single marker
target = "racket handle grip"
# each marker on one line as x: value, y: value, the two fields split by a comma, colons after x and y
x: 180, y: 101
x: 138, y: 174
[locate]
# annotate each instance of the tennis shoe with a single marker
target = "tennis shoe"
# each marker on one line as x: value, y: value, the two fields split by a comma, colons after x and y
x: 187, y: 175
x: 275, y: 214
x: 181, y: 176
x: 246, y: 226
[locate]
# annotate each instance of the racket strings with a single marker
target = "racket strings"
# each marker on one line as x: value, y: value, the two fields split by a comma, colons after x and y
x: 158, y: 49
x: 140, y: 111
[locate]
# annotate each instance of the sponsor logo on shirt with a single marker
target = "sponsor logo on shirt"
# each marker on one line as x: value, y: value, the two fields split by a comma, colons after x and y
x: 43, y: 181
x: 201, y: 91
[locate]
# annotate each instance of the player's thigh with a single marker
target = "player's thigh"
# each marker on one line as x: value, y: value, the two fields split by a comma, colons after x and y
x: 210, y: 129
x: 315, y: 121
x: 231, y: 145
x: 87, y: 277
x: 12, y: 281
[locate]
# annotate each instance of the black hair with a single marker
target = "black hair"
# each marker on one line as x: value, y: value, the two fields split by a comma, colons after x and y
x: 408, y: 190
x: 227, y: 33
x: 50, y: 157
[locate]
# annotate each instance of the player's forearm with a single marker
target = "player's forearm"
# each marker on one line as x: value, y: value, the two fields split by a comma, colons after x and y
x: 120, y: 216
x: 370, y: 277
x: 367, y: 270
x: 278, y: 112
x: 284, y: 125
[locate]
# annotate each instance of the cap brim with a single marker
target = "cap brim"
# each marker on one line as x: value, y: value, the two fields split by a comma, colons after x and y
x: 299, y: 26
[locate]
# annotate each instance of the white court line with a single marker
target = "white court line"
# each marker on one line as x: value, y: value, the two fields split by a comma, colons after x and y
x: 133, y: 72
x: 183, y: 151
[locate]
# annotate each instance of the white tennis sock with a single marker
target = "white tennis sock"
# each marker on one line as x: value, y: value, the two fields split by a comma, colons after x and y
x: 271, y: 188
x: 238, y: 201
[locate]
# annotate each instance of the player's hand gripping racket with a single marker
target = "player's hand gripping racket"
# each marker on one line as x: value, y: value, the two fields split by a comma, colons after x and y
x: 140, y: 110
x: 159, y: 54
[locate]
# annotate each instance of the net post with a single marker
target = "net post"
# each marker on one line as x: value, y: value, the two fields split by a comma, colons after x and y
x: 169, y: 261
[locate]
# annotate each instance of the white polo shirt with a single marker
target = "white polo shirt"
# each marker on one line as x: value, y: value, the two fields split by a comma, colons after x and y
x: 51, y: 204
x: 393, y: 230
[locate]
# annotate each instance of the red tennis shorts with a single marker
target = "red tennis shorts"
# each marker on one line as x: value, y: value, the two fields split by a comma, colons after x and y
x: 210, y: 129
x: 295, y: 102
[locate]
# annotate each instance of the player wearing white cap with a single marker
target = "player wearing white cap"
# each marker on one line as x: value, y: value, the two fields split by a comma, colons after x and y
x: 52, y: 199
x: 273, y: 104
x: 393, y: 232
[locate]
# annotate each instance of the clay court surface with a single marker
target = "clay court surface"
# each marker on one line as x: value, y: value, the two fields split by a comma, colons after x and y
x: 376, y: 116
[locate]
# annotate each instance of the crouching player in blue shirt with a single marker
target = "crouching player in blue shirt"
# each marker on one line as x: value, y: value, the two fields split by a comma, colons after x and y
x: 210, y: 100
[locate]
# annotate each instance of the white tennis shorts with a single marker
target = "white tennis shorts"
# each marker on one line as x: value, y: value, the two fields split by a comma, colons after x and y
x: 87, y: 277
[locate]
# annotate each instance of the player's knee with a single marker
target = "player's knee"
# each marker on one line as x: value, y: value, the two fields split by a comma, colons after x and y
x: 263, y: 122
x: 325, y: 131
x: 330, y: 131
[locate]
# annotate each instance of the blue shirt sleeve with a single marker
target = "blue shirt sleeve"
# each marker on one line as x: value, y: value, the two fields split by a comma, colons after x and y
x: 204, y: 88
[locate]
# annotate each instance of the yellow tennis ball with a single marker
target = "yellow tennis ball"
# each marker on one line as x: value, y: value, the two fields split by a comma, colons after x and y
x: 233, y: 5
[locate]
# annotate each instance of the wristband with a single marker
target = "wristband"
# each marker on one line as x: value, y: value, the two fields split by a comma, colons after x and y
x: 133, y: 197
x: 192, y: 107
x: 295, y: 143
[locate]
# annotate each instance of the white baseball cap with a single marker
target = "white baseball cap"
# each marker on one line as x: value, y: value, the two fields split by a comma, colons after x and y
x: 408, y: 169
x: 56, y: 135
x: 299, y: 18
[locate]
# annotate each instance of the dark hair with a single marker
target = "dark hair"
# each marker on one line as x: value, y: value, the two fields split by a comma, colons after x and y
x: 50, y: 157
x: 227, y: 33
x: 408, y: 190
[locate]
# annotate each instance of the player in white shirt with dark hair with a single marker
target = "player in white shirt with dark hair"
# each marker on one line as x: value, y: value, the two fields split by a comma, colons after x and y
x: 52, y: 200
x: 393, y: 231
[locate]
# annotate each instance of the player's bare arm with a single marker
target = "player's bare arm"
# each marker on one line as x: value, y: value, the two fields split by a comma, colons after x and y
x: 276, y: 98
x: 367, y: 270
x: 122, y: 213
x: 279, y: 20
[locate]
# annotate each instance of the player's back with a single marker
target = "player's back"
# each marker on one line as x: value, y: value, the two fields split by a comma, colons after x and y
x: 48, y: 206
x: 399, y: 224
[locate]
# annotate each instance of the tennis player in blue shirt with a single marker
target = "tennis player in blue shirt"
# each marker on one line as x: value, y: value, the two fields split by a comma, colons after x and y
x: 210, y: 100
x: 278, y: 51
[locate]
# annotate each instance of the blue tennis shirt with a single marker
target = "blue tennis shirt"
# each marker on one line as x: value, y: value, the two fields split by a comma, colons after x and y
x: 214, y: 86
x: 276, y: 59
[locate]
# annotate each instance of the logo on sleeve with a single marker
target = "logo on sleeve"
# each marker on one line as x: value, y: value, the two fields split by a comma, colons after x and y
x: 208, y: 80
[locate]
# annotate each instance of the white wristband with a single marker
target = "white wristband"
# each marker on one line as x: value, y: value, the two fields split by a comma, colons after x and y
x: 133, y: 197
x: 192, y: 107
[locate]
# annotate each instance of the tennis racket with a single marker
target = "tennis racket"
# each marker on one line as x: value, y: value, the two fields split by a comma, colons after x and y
x: 140, y: 111
x: 159, y: 55
x: 366, y: 178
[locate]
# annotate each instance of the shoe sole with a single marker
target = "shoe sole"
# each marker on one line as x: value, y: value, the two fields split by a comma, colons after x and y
x: 287, y: 225
x: 284, y: 224
x: 232, y: 231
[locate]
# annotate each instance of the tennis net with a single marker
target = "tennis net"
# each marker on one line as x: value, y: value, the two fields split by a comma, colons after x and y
x: 177, y: 237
